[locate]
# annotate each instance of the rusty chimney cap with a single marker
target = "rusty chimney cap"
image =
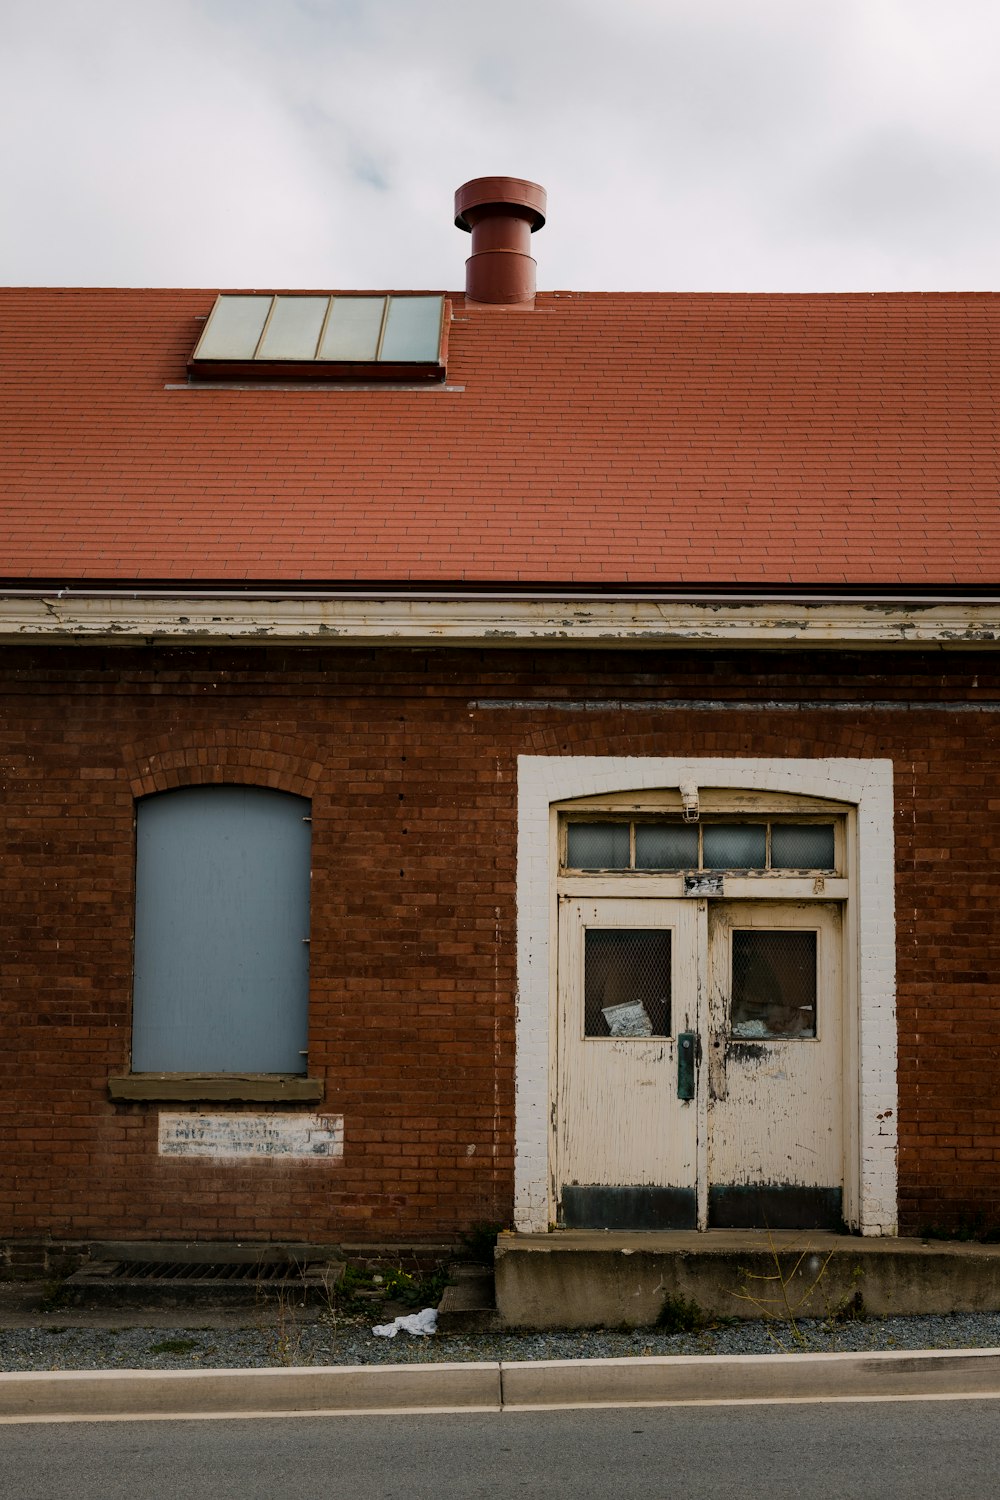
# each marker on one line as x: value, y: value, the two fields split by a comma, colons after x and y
x: 523, y: 199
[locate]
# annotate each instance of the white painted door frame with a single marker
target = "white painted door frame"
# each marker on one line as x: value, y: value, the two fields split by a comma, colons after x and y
x: 864, y: 789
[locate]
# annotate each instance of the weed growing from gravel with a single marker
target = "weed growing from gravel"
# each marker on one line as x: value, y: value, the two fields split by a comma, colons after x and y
x: 794, y: 1290
x: 680, y: 1315
x: 174, y: 1346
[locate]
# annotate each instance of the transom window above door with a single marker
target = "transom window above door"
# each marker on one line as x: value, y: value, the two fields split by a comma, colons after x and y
x: 760, y: 845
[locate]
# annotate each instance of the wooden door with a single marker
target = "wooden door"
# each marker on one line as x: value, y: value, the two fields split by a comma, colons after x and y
x: 775, y: 1065
x: 626, y: 1108
x: 674, y: 1012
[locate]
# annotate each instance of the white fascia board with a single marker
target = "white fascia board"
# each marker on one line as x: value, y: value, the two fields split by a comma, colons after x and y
x: 498, y: 621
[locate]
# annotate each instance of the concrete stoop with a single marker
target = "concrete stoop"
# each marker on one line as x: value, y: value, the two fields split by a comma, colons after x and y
x: 605, y: 1278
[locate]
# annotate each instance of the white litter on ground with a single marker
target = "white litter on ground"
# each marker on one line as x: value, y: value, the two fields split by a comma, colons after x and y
x: 422, y: 1322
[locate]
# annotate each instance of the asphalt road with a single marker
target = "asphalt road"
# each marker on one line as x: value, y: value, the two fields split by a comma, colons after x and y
x: 826, y: 1451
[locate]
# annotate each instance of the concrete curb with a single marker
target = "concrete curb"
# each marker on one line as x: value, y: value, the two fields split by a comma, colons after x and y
x: 751, y: 1377
x: 110, y: 1394
x: 123, y: 1394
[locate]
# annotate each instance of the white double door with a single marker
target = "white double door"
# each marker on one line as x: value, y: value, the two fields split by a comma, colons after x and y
x: 699, y: 1064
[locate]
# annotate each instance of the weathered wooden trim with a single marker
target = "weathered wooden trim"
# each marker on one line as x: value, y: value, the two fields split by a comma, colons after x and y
x: 252, y: 1087
x: 770, y: 886
x: 495, y: 621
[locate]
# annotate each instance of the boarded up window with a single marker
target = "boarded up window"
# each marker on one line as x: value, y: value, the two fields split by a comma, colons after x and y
x: 221, y: 932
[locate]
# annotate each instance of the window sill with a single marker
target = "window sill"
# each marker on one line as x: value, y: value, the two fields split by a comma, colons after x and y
x: 256, y: 1087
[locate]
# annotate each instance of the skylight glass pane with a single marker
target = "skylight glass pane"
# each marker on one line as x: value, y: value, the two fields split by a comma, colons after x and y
x: 233, y: 328
x: 735, y: 846
x: 413, y: 328
x: 801, y: 846
x: 597, y: 846
x: 666, y: 846
x: 353, y: 328
x: 293, y: 331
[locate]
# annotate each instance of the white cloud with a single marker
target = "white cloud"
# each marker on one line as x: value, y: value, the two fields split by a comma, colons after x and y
x: 319, y: 142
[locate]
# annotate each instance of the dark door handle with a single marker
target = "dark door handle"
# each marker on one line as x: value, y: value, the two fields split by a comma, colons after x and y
x: 687, y: 1057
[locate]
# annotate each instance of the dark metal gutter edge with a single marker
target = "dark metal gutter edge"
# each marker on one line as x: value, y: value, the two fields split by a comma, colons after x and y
x: 467, y: 596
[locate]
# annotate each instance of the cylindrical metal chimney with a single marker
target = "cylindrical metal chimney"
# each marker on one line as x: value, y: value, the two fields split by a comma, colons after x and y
x: 501, y: 214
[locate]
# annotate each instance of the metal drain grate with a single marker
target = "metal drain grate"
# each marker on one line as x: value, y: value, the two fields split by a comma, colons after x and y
x: 172, y: 1270
x: 229, y: 1274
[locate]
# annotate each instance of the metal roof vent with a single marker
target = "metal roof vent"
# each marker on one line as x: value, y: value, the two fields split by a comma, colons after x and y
x: 501, y: 214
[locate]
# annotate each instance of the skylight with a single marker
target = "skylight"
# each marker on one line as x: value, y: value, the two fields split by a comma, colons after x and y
x: 305, y: 336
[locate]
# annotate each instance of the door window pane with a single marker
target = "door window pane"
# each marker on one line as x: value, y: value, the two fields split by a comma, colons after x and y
x: 802, y: 846
x: 627, y: 982
x: 666, y: 846
x: 773, y: 984
x: 735, y: 846
x: 597, y: 846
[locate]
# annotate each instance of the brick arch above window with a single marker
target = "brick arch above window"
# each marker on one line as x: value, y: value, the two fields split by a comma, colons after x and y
x: 243, y: 757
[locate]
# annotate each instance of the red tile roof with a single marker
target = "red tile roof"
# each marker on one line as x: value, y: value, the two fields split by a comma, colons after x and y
x: 653, y: 440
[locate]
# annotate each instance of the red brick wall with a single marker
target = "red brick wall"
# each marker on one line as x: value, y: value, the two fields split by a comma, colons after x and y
x: 413, y: 946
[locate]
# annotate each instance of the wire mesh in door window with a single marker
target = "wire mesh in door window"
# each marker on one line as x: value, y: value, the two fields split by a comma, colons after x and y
x: 773, y: 984
x: 627, y: 982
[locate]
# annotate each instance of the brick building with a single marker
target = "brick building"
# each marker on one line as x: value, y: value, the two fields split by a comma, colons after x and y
x: 497, y: 757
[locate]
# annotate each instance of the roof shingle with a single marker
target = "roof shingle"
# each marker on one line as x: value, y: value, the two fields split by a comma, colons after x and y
x: 660, y: 440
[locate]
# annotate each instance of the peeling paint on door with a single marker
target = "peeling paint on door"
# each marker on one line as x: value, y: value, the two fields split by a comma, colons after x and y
x: 627, y: 1147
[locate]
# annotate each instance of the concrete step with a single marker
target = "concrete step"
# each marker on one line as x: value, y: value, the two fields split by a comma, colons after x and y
x: 468, y: 1303
x: 605, y: 1278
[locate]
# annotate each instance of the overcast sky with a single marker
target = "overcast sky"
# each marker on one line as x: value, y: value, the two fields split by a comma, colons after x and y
x: 794, y: 145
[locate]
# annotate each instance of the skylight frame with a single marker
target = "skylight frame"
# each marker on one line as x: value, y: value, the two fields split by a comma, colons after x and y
x: 259, y: 368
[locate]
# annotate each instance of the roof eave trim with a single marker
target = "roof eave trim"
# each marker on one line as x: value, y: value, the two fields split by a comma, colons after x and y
x: 481, y: 620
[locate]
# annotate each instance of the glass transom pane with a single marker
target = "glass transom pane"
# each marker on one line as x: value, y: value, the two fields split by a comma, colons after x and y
x: 233, y: 328
x: 597, y: 846
x: 627, y: 982
x: 802, y: 846
x: 412, y: 328
x: 293, y: 331
x: 773, y: 984
x: 666, y: 846
x: 353, y: 328
x: 735, y: 846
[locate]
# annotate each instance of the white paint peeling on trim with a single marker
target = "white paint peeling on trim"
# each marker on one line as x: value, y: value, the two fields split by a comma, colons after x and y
x: 498, y: 621
x: 864, y: 787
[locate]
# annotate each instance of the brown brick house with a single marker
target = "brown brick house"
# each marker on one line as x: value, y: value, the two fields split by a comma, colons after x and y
x: 497, y: 757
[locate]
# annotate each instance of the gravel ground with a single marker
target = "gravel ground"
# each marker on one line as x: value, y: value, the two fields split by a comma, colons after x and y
x: 350, y: 1342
